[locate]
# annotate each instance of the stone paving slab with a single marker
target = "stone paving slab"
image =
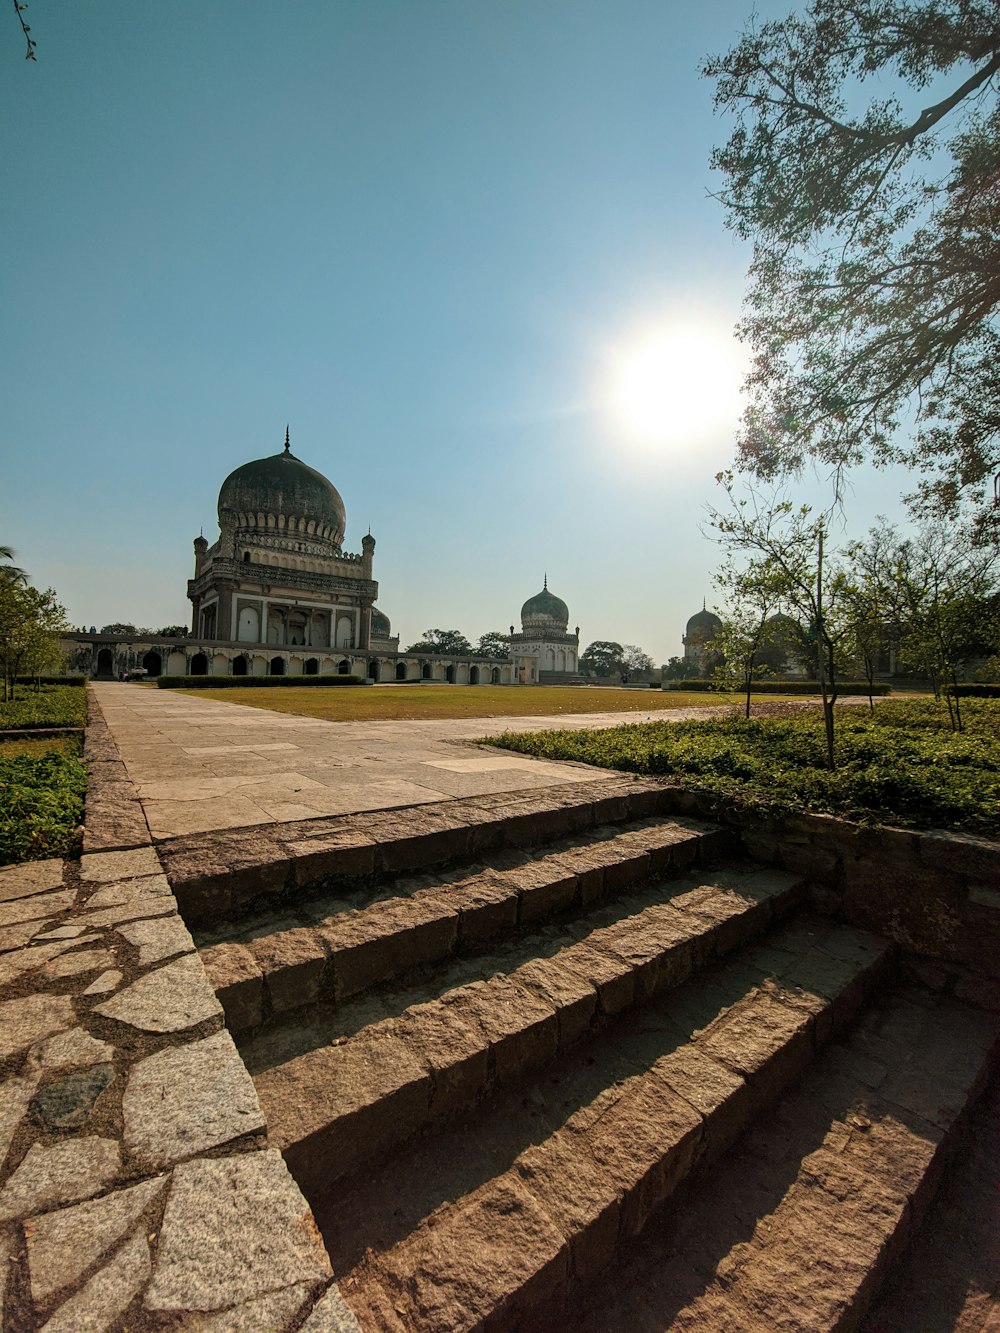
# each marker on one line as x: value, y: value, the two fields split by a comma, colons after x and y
x: 137, y: 1189
x: 200, y: 764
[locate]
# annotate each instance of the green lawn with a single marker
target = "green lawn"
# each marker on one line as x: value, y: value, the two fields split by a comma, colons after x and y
x: 42, y: 786
x: 43, y: 780
x: 412, y: 702
x: 49, y: 706
x: 902, y: 766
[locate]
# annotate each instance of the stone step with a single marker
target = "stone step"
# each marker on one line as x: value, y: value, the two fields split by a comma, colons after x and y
x: 330, y: 950
x: 216, y: 875
x: 491, y: 1222
x: 797, y: 1227
x: 335, y: 1100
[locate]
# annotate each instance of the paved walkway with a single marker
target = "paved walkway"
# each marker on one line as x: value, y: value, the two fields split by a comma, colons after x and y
x: 200, y: 764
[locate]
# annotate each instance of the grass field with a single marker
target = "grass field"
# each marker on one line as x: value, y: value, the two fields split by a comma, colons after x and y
x: 901, y: 766
x: 413, y: 702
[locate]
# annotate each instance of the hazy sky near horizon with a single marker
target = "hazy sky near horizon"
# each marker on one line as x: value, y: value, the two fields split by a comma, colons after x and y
x: 436, y: 237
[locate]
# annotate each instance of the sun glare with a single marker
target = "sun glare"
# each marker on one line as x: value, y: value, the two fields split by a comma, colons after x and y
x: 676, y: 385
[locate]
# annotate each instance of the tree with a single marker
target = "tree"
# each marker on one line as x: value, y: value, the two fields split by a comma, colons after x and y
x: 791, y: 544
x: 494, y: 644
x: 9, y: 571
x: 119, y: 627
x: 675, y: 669
x: 602, y: 658
x: 19, y: 8
x: 174, y: 631
x: 30, y: 625
x: 451, y: 641
x: 636, y: 662
x: 942, y: 589
x: 875, y: 279
x: 754, y: 593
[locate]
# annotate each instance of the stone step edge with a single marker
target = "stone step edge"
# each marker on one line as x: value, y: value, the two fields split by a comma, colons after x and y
x: 351, y: 951
x: 397, y: 1077
x: 214, y: 874
x: 623, y: 1163
x: 853, y: 1187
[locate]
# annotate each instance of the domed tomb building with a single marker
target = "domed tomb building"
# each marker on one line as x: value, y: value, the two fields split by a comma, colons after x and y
x: 277, y: 593
x: 545, y: 653
x: 701, y: 629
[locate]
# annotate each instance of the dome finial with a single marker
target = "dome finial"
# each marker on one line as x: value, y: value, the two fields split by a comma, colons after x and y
x: 545, y: 582
x: 288, y: 447
x: 703, y: 606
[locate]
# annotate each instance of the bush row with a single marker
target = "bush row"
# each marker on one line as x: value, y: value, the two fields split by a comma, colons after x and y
x: 51, y: 706
x: 782, y: 686
x: 51, y: 680
x: 241, y: 682
x: 977, y: 691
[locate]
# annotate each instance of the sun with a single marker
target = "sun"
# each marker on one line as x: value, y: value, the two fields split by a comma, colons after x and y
x: 675, y: 383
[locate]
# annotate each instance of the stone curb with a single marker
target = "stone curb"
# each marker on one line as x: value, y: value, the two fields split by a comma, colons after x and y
x: 136, y: 1183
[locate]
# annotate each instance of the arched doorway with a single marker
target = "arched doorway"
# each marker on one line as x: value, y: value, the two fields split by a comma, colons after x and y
x: 373, y: 669
x: 400, y: 670
x: 311, y: 667
x: 425, y: 671
x: 449, y: 674
x: 105, y: 662
x: 199, y: 665
x: 240, y: 666
x: 276, y: 666
x: 473, y: 675
x: 495, y: 676
x: 344, y: 668
x: 153, y: 664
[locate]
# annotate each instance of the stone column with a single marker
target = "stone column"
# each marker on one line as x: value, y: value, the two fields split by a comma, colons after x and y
x: 224, y: 610
x: 365, y: 627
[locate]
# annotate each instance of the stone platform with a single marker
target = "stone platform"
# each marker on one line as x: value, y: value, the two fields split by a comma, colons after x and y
x: 574, y: 1003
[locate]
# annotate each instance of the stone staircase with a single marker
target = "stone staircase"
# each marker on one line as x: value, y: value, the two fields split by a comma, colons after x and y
x: 564, y: 1061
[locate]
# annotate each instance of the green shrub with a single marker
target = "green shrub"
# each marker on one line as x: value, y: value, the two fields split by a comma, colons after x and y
x: 975, y: 691
x: 41, y: 805
x: 51, y: 680
x: 780, y: 687
x: 51, y: 706
x: 903, y: 766
x: 244, y: 682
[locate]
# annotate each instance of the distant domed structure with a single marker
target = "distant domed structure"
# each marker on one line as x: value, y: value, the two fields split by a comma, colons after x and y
x: 277, y: 580
x: 701, y: 629
x: 545, y: 611
x: 545, y: 652
x: 280, y: 493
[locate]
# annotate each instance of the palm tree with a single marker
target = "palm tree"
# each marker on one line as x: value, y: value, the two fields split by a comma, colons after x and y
x: 11, y: 573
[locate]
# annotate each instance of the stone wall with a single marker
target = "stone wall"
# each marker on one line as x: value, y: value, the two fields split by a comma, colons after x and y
x: 935, y: 893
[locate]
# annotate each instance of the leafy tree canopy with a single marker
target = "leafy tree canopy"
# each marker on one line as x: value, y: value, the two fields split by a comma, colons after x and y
x: 602, y: 658
x: 863, y: 167
x: 119, y: 627
x: 636, y: 661
x: 494, y: 644
x: 441, y: 641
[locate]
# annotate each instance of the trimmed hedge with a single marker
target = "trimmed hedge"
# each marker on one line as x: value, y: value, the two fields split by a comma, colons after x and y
x: 242, y: 682
x: 780, y: 687
x: 978, y: 691
x: 51, y: 680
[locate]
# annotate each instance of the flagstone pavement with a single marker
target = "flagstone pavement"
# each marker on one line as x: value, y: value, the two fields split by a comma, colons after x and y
x: 200, y: 764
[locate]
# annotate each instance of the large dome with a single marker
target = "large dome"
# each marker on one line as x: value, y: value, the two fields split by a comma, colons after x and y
x: 283, y: 486
x: 705, y: 621
x: 545, y: 610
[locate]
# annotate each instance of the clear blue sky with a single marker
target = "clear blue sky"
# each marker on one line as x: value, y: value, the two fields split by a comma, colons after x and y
x: 419, y: 231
